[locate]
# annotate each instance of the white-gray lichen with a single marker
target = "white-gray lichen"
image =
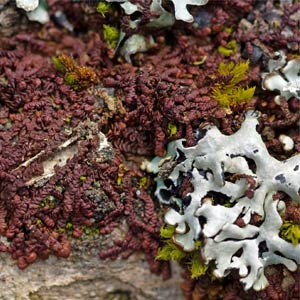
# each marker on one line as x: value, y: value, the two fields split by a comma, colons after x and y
x: 27, y: 5
x: 181, y: 12
x: 282, y: 76
x: 240, y: 169
x: 164, y: 18
x: 136, y: 44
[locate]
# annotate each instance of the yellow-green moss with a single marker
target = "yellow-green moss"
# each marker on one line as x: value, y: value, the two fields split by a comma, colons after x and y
x: 142, y: 182
x: 82, y: 178
x: 68, y: 229
x: 103, y: 8
x: 167, y: 231
x: 76, y: 76
x: 228, y: 92
x: 119, y: 180
x: 111, y: 35
x: 38, y: 221
x: 58, y: 65
x: 197, y: 268
x: 90, y: 231
x: 49, y: 201
x: 172, y: 129
x: 290, y: 231
x: 170, y: 251
x: 229, y: 49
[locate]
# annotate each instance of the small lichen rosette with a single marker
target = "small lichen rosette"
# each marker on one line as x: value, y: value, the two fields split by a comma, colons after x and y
x: 232, y: 205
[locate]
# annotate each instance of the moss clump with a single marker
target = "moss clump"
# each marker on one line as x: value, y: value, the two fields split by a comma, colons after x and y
x: 197, y: 267
x: 170, y: 251
x: 38, y: 221
x: 82, y: 178
x: 172, y: 129
x: 90, y: 231
x: 111, y: 35
x: 68, y: 229
x: 290, y: 231
x: 48, y: 201
x: 228, y: 91
x: 103, y: 8
x: 143, y: 182
x: 76, y: 76
x: 229, y: 49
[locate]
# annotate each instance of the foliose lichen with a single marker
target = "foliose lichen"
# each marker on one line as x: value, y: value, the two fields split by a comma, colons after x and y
x: 180, y: 7
x: 283, y: 76
x: 27, y: 5
x: 246, y: 235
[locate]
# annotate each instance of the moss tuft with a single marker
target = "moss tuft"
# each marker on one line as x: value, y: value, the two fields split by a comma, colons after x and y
x: 103, y: 8
x: 290, y: 231
x: 172, y: 129
x: 76, y: 76
x: 111, y: 35
x: 170, y: 251
x: 228, y: 92
x: 229, y: 49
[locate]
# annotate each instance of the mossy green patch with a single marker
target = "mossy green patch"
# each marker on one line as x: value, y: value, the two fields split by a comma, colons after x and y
x: 111, y: 35
x: 228, y: 91
x: 172, y: 129
x: 103, y: 8
x: 290, y: 231
x: 170, y: 251
x: 229, y: 49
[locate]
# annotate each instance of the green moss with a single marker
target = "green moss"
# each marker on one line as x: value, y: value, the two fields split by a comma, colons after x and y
x: 229, y: 92
x: 103, y: 8
x: 49, y: 201
x: 69, y: 225
x: 119, y: 180
x: 167, y: 231
x: 60, y: 230
x: 231, y: 96
x: 237, y: 71
x: 200, y: 62
x: 68, y: 120
x: 38, y: 221
x: 228, y: 29
x: 69, y: 228
x: 197, y: 268
x: 170, y: 251
x: 90, y: 231
x: 58, y: 65
x: 172, y: 129
x: 229, y: 49
x: 142, y: 182
x: 111, y: 35
x: 76, y: 76
x: 82, y: 178
x: 70, y: 79
x: 290, y: 231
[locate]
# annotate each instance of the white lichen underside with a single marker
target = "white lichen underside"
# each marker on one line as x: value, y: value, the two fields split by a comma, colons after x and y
x: 27, y: 5
x: 206, y: 163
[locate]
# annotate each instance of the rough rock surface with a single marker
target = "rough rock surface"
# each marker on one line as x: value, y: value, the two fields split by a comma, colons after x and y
x: 83, y: 276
